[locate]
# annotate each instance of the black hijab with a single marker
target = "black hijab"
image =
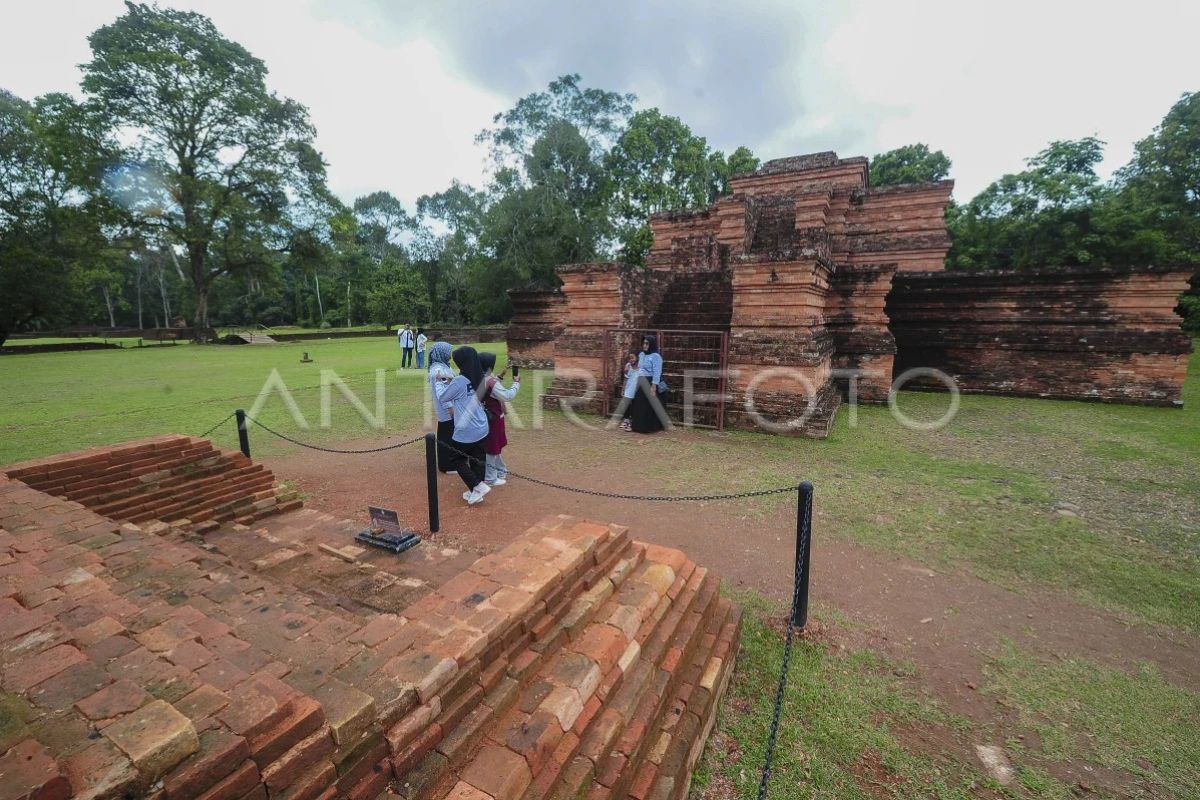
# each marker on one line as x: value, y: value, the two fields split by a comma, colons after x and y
x: 488, y: 362
x: 467, y: 361
x: 653, y: 340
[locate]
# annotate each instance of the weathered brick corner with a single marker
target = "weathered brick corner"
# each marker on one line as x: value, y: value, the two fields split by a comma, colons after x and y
x: 135, y: 664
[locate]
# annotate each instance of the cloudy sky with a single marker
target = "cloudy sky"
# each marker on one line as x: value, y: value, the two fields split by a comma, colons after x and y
x: 399, y: 89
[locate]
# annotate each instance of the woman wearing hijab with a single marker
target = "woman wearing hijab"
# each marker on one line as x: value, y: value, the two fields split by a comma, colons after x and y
x: 642, y: 413
x: 440, y: 375
x: 470, y: 423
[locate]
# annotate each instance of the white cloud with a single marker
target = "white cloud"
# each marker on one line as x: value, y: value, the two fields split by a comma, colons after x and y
x: 398, y: 90
x: 388, y: 116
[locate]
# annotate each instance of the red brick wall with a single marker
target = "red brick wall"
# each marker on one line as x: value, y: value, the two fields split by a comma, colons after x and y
x: 1091, y: 334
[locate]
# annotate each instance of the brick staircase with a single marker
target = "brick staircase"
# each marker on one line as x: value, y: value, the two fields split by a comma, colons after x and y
x: 697, y: 301
x: 700, y: 302
x: 167, y: 478
x: 574, y: 661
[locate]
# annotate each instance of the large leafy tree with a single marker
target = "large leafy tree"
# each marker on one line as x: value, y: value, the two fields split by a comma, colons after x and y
x: 912, y: 163
x: 560, y: 218
x: 1041, y: 216
x: 382, y: 221
x: 55, y: 226
x: 598, y: 115
x: 1162, y: 181
x: 224, y: 166
x: 444, y: 260
x: 659, y: 164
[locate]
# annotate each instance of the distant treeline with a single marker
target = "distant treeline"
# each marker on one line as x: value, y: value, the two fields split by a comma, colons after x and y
x: 180, y: 186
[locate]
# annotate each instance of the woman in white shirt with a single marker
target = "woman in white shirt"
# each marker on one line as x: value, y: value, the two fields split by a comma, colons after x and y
x: 421, y: 340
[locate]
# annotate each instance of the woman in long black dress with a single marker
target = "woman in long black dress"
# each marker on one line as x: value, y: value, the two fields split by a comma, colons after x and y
x: 644, y: 411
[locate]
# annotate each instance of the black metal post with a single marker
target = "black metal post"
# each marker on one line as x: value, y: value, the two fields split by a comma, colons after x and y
x: 804, y: 497
x: 431, y: 480
x: 243, y: 434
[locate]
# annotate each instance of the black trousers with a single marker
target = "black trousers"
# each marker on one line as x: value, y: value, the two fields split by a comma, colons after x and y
x: 469, y: 461
x: 445, y: 433
x: 406, y: 360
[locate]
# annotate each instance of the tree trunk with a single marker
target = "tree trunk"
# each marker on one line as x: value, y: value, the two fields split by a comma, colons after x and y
x: 166, y: 300
x: 140, y: 271
x: 108, y: 303
x: 201, y: 318
x: 320, y: 307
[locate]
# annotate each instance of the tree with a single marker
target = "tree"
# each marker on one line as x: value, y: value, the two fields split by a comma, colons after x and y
x: 560, y: 218
x: 443, y: 261
x: 658, y: 164
x: 1042, y: 216
x: 382, y: 221
x: 740, y: 161
x: 224, y: 166
x: 598, y: 116
x: 53, y: 216
x: 913, y: 163
x: 1162, y: 181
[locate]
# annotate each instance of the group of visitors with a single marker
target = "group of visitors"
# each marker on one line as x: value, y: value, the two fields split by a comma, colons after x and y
x: 470, y: 407
x: 412, y: 342
x: 470, y: 412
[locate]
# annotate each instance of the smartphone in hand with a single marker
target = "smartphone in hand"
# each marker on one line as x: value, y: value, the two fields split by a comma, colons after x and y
x: 516, y: 372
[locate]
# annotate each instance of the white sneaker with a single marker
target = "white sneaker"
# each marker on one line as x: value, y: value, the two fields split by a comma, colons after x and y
x: 482, y: 489
x: 473, y: 497
x: 499, y: 482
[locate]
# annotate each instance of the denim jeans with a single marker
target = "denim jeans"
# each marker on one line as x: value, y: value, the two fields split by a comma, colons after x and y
x: 420, y: 359
x: 494, y: 468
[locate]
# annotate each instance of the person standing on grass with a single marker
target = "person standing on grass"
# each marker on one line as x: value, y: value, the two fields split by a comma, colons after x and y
x: 495, y: 471
x: 406, y: 347
x: 421, y: 340
x: 440, y: 375
x: 470, y: 423
x: 644, y: 411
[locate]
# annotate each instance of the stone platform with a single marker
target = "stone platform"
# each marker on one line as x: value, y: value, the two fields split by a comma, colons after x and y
x: 156, y: 660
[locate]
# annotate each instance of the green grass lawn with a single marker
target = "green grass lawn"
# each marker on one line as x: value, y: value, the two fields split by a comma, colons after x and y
x: 1098, y: 502
x: 1101, y: 501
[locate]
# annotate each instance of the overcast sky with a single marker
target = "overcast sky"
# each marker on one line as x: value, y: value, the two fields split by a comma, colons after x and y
x: 398, y: 90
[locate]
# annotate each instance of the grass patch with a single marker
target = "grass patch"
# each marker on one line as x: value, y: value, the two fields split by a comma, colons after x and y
x: 991, y: 493
x: 837, y: 733
x: 1138, y: 723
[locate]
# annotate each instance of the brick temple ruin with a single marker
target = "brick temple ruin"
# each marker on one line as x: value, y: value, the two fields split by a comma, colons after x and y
x: 807, y: 267
x: 175, y: 625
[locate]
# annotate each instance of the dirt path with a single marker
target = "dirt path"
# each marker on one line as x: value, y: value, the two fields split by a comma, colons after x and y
x: 946, y: 623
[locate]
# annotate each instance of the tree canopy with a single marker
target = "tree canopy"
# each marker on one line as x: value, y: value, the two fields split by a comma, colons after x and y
x: 223, y: 165
x: 912, y: 163
x: 180, y: 185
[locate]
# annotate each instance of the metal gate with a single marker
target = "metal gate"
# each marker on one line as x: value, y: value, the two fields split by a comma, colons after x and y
x: 694, y: 367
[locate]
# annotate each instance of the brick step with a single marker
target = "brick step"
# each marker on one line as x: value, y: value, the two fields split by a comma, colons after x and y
x: 426, y: 739
x: 628, y: 709
x: 97, y: 494
x: 196, y: 492
x: 580, y: 705
x: 90, y: 472
x: 224, y: 497
x: 693, y: 713
x: 113, y: 502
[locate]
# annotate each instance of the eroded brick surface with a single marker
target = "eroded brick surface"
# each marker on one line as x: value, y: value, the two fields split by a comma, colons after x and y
x: 163, y: 662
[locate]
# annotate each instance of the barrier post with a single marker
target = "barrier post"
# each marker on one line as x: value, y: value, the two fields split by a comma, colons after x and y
x: 804, y: 495
x: 243, y: 434
x: 431, y: 480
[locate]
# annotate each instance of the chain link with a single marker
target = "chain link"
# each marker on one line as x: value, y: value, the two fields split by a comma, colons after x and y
x: 287, y: 438
x: 618, y: 496
x: 214, y: 427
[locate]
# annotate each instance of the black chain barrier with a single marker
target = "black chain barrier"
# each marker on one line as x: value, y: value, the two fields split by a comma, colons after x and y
x: 205, y: 435
x: 797, y: 617
x: 619, y: 496
x: 309, y: 446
